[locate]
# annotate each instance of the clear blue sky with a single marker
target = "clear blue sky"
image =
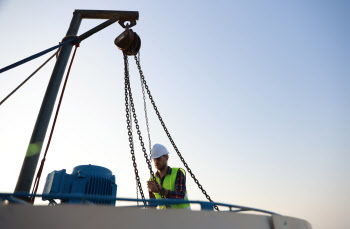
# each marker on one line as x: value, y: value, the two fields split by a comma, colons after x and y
x: 255, y: 93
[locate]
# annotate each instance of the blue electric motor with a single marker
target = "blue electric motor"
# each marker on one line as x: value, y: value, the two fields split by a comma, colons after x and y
x: 85, y: 179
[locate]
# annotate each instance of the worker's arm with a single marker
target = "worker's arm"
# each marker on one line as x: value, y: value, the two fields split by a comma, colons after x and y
x: 151, y: 194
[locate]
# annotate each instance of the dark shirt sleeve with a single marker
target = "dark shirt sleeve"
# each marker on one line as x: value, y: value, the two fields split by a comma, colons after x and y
x: 180, y: 187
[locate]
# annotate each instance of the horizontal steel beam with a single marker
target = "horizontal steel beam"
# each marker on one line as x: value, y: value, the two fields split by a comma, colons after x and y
x: 108, y: 14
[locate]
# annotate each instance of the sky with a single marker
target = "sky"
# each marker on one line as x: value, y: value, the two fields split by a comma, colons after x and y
x: 254, y: 93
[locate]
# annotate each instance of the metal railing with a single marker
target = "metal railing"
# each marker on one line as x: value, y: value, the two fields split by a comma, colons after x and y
x: 86, y: 199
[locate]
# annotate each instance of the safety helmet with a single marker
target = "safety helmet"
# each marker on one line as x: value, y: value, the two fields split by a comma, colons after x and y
x: 158, y: 150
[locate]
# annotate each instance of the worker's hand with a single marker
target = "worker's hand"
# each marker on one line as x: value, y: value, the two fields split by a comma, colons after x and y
x: 153, y: 186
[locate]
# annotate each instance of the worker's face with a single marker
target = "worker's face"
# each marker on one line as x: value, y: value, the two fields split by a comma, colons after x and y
x: 161, y: 162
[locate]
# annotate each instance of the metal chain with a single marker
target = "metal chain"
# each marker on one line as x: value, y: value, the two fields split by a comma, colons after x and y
x: 128, y: 89
x: 137, y: 193
x: 137, y: 185
x: 168, y: 134
x: 128, y: 122
x: 146, y: 116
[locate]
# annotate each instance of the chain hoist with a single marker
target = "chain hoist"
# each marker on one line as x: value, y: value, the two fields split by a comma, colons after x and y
x: 129, y: 42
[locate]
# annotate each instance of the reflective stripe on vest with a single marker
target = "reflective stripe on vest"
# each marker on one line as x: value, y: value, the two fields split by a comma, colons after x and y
x: 169, y: 183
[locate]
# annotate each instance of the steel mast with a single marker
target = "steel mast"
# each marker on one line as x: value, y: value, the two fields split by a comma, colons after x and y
x: 32, y: 155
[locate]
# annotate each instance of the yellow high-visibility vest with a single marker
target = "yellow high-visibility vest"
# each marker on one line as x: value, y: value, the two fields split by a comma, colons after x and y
x: 169, y: 183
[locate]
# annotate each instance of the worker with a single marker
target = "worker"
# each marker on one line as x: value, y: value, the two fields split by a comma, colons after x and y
x: 170, y: 183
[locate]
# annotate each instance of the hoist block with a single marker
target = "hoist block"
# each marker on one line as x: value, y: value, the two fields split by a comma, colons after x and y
x: 85, y: 179
x: 129, y: 42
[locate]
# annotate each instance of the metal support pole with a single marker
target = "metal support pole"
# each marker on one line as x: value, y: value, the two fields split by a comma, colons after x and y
x: 30, y: 162
x: 31, y: 158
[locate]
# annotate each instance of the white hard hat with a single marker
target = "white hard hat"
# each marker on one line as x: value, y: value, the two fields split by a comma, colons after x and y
x: 158, y: 150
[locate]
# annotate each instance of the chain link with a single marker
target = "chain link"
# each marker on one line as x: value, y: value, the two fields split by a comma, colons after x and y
x: 137, y: 193
x: 128, y: 122
x: 168, y: 134
x: 128, y: 96
x: 137, y: 186
x: 146, y: 116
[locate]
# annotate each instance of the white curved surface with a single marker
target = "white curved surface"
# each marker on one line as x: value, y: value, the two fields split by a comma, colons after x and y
x: 94, y: 216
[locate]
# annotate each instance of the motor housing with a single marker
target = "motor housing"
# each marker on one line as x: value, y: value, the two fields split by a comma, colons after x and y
x: 85, y: 179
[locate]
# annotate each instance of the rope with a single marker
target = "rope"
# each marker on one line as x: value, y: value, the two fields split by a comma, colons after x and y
x: 37, y: 179
x: 25, y: 60
x: 9, y: 95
